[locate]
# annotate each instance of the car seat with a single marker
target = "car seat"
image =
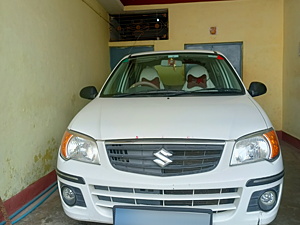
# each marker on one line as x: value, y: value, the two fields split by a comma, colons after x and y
x: 149, y: 74
x: 197, y: 78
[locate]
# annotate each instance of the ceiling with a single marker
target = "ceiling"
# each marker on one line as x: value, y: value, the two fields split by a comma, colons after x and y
x: 149, y: 2
x: 117, y: 6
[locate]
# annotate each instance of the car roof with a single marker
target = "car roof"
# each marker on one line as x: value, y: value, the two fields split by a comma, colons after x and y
x: 174, y: 52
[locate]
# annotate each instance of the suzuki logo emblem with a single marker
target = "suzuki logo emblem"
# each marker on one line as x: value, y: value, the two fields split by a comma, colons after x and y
x: 162, y: 157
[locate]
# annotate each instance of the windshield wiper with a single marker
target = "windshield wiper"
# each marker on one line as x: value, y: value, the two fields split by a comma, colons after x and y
x: 145, y: 93
x: 170, y: 93
x: 229, y: 90
x: 125, y: 94
x: 209, y: 91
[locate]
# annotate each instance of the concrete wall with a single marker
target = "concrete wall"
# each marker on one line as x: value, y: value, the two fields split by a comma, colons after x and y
x: 256, y: 23
x: 49, y: 50
x: 291, y: 71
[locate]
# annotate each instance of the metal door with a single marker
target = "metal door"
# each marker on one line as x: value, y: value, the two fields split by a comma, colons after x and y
x: 233, y: 51
x: 117, y: 53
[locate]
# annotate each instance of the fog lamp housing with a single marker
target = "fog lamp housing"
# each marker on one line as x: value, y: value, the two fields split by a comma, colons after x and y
x: 267, y: 200
x: 68, y: 195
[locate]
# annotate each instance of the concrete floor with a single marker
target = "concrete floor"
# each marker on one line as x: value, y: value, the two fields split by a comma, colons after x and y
x: 51, y: 212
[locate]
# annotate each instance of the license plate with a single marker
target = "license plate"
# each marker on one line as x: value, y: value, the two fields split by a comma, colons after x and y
x: 144, y: 215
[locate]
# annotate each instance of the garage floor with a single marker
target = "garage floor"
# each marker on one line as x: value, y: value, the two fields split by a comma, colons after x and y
x: 51, y: 213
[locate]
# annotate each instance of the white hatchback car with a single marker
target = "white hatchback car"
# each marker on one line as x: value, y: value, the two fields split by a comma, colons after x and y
x: 172, y: 129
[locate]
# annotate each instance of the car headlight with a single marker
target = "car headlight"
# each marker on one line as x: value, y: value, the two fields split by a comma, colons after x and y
x: 79, y: 147
x: 256, y: 147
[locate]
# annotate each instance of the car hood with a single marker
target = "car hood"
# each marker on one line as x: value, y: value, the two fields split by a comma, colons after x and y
x: 211, y: 117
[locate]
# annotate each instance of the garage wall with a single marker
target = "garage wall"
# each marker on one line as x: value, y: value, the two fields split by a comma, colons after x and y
x: 291, y: 72
x: 256, y: 23
x: 49, y: 51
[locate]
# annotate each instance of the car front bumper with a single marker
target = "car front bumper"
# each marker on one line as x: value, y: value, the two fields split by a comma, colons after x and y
x: 232, y: 192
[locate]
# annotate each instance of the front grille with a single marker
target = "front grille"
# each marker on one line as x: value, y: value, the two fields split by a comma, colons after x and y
x: 218, y: 200
x: 185, y: 158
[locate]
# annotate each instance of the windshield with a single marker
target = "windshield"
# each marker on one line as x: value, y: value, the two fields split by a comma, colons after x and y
x: 176, y: 74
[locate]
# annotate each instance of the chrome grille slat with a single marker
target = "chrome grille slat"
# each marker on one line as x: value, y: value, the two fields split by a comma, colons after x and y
x: 169, y: 167
x: 219, y: 200
x: 196, y: 157
x: 174, y: 157
x: 215, y: 209
x: 169, y: 197
x: 189, y: 158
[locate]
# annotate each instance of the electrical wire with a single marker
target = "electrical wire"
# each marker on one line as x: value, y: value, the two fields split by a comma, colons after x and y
x: 99, y: 14
x: 53, y: 186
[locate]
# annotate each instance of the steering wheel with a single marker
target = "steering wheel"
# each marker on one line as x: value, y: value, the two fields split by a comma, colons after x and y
x: 144, y: 83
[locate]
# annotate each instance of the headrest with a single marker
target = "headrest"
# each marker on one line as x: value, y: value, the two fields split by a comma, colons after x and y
x: 197, y: 78
x: 150, y: 74
x: 198, y: 71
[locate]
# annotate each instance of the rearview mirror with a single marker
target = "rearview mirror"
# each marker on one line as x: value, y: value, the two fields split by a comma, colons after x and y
x: 89, y: 92
x: 257, y: 88
x: 171, y: 63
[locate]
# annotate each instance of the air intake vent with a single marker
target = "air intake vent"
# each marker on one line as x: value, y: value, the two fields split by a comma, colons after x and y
x: 133, y: 27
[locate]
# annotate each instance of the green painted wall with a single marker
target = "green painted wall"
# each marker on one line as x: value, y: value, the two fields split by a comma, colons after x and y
x: 49, y: 50
x: 291, y: 72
